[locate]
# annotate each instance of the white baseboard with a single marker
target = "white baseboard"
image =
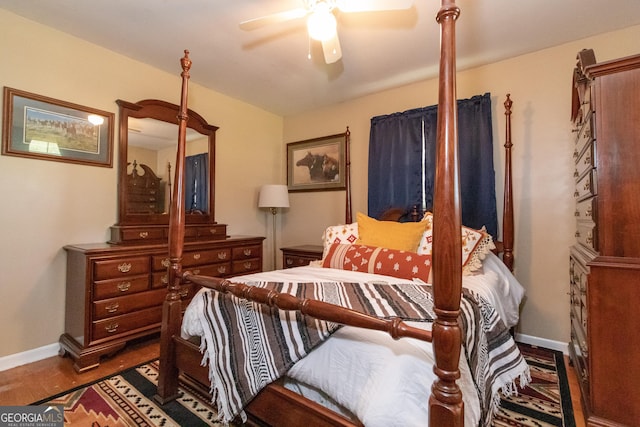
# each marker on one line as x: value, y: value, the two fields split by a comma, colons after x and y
x: 19, y: 359
x: 543, y: 342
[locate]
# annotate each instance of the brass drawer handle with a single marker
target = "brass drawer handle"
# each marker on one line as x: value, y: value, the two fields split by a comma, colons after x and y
x: 247, y: 266
x: 213, y: 231
x: 164, y: 279
x: 125, y: 267
x: 247, y: 252
x: 577, y: 234
x: 575, y: 173
x: 587, y: 160
x: 575, y: 154
x: 184, y: 293
x: 222, y: 255
x: 111, y: 327
x: 165, y: 263
x: 289, y: 261
x: 576, y: 213
x: 222, y: 269
x: 589, y: 238
x: 144, y: 234
x: 588, y: 212
x: 112, y: 308
x: 196, y: 256
x: 124, y: 286
x: 587, y: 186
x: 576, y: 194
x: 196, y: 271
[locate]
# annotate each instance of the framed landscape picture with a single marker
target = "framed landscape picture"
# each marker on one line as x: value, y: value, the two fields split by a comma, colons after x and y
x: 317, y: 164
x: 49, y: 129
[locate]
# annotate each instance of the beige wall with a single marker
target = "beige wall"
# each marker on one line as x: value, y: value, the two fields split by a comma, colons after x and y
x: 49, y: 204
x: 540, y: 85
x: 46, y: 204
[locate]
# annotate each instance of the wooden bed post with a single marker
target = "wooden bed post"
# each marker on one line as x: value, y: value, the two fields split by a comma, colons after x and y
x: 507, y: 216
x: 172, y: 307
x: 445, y: 403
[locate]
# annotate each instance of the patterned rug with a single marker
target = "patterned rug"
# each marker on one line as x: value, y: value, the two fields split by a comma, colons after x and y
x: 126, y: 399
x: 546, y: 401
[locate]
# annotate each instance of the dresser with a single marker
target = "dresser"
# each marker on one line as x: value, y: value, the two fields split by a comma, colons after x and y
x: 297, y: 256
x: 605, y: 259
x: 114, y: 293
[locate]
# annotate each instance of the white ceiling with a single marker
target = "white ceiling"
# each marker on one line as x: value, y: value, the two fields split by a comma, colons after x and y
x: 269, y: 68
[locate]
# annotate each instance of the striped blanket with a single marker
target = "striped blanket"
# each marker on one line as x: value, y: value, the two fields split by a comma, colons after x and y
x: 249, y: 345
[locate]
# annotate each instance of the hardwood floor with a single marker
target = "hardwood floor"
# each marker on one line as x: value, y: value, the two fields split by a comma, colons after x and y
x: 29, y: 383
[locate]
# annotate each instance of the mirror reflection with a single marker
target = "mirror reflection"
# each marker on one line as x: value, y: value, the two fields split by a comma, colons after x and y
x: 146, y: 166
x: 150, y: 157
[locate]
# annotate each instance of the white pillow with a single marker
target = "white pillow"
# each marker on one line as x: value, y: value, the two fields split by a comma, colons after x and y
x: 346, y: 234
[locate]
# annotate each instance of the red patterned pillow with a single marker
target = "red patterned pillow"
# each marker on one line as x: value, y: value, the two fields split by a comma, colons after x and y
x: 370, y: 259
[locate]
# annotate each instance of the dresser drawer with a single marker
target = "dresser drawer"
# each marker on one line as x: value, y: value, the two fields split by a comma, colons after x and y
x: 209, y: 232
x: 127, y: 304
x: 586, y: 234
x: 118, y: 325
x: 586, y: 210
x: 586, y: 186
x: 581, y: 352
x: 120, y: 287
x: 142, y: 233
x: 586, y: 161
x: 291, y: 261
x: 584, y: 138
x: 298, y: 256
x: 111, y: 269
x: 246, y: 252
x: 246, y: 266
x: 191, y: 258
x: 205, y: 257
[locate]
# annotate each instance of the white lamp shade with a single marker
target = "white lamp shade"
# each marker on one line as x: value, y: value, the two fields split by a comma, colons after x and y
x: 273, y: 196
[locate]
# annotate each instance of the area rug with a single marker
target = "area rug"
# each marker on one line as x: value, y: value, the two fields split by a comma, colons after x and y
x: 126, y: 399
x: 546, y: 401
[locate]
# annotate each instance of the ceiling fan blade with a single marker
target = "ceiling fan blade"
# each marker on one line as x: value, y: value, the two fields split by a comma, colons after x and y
x: 372, y: 5
x: 274, y: 18
x: 331, y: 49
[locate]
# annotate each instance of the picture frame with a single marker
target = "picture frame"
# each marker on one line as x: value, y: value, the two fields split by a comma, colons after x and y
x: 316, y: 164
x: 40, y: 127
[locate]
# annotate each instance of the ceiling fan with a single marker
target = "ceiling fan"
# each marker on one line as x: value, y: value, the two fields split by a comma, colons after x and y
x: 321, y: 19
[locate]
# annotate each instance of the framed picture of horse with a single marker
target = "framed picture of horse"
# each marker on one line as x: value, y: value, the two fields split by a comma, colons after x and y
x: 44, y: 128
x: 317, y: 164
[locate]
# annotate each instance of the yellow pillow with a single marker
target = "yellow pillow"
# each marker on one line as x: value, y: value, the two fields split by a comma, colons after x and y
x: 403, y: 236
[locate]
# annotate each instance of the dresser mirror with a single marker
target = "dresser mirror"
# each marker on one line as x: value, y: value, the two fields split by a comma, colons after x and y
x: 147, y: 155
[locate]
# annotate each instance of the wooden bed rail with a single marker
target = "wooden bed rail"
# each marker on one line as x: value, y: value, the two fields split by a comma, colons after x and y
x: 314, y: 308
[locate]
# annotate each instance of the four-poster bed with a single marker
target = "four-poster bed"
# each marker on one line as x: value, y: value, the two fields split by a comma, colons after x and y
x: 276, y: 404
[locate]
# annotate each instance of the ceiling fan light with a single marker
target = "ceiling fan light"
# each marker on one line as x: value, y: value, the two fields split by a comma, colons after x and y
x: 322, y: 25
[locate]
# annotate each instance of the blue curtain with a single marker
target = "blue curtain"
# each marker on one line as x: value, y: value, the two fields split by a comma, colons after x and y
x: 402, y: 149
x: 196, y: 183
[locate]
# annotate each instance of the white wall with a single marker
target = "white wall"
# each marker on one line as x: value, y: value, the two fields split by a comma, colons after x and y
x: 540, y: 87
x: 46, y: 204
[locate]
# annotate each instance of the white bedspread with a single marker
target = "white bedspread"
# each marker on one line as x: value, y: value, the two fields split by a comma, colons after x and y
x: 354, y: 366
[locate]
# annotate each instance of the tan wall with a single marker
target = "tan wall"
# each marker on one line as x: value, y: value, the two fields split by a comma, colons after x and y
x: 46, y: 204
x: 49, y: 204
x: 540, y: 85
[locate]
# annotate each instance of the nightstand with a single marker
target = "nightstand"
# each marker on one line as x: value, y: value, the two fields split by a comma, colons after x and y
x: 297, y: 256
